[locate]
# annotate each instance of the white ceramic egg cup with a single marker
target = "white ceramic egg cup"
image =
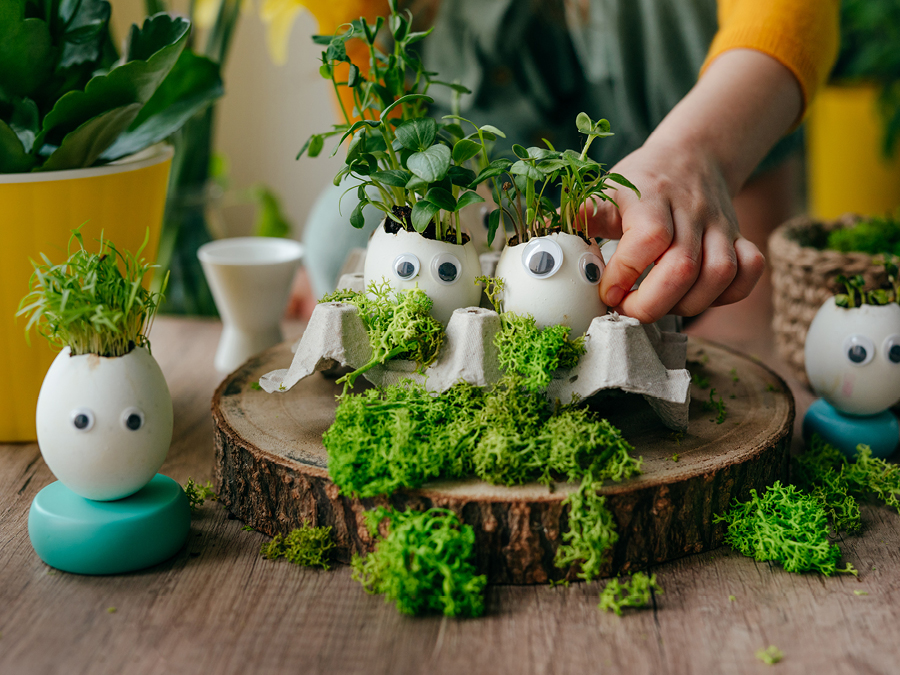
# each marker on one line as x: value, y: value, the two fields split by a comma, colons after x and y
x: 250, y: 279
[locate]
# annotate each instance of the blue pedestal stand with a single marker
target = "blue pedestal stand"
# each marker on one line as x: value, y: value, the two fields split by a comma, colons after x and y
x: 880, y: 432
x: 83, y: 536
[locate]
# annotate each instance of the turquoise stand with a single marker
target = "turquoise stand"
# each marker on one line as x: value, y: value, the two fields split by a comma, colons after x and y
x: 880, y: 432
x: 83, y: 536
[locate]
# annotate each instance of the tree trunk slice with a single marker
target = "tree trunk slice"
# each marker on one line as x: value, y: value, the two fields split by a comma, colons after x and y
x: 271, y: 470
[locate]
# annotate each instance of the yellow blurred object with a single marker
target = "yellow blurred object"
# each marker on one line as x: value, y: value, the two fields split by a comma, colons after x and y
x: 38, y: 211
x: 847, y: 171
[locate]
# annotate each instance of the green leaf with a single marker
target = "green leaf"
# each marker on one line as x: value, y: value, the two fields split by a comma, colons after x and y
x: 316, y: 144
x: 495, y: 168
x: 493, y: 225
x: 455, y: 86
x: 353, y: 78
x: 583, y: 123
x: 357, y: 219
x: 441, y: 198
x: 404, y: 99
x: 422, y: 214
x: 85, y: 33
x: 193, y: 83
x: 621, y: 180
x: 526, y: 169
x: 25, y: 121
x: 461, y: 176
x: 520, y: 151
x: 84, y: 146
x: 132, y: 82
x: 270, y: 220
x: 26, y: 50
x: 537, y: 153
x: 464, y: 149
x: 417, y: 134
x: 453, y: 130
x: 413, y: 38
x: 392, y: 177
x: 353, y: 129
x: 416, y: 184
x: 325, y: 71
x: 336, y: 51
x: 492, y: 129
x: 430, y: 165
x: 13, y: 158
x: 467, y: 198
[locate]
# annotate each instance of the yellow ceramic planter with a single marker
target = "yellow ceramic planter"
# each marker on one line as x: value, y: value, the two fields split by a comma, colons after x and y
x: 37, y: 213
x: 846, y: 169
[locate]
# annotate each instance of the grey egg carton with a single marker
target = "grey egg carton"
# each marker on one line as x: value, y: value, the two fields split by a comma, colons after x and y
x: 620, y: 354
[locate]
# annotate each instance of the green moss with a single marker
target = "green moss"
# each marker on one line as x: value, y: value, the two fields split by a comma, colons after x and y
x: 306, y: 546
x: 535, y: 353
x: 638, y: 592
x: 591, y: 534
x: 875, y: 235
x: 197, y: 494
x: 399, y: 325
x: 783, y: 525
x: 426, y: 563
x: 770, y: 655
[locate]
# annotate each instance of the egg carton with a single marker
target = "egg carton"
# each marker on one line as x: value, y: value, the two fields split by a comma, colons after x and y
x: 620, y: 354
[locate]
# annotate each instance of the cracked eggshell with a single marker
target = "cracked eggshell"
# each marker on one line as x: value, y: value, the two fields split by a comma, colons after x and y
x: 105, y: 459
x: 852, y: 357
x: 386, y: 251
x: 565, y: 296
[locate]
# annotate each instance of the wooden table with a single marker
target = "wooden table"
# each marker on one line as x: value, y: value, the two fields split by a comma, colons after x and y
x: 218, y: 607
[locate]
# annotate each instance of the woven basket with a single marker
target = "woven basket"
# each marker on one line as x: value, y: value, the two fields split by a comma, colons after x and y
x: 803, y: 278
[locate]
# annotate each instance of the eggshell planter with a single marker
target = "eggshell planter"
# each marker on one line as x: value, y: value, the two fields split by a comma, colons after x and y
x: 446, y: 272
x: 554, y: 278
x: 104, y: 425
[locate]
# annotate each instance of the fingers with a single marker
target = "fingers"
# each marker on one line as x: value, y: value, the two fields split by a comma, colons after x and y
x: 718, y: 270
x: 648, y: 232
x: 750, y: 266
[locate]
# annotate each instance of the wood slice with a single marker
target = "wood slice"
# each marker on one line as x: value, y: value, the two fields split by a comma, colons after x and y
x: 271, y: 470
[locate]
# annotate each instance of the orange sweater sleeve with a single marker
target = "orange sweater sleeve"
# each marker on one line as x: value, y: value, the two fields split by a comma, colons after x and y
x: 802, y: 35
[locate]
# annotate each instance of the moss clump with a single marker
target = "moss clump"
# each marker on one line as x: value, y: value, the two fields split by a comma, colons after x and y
x: 197, y: 493
x: 770, y: 655
x: 533, y: 353
x: 591, y: 534
x: 398, y: 323
x: 783, y: 525
x: 876, y: 235
x: 402, y: 436
x: 306, y: 546
x: 426, y: 564
x: 638, y: 592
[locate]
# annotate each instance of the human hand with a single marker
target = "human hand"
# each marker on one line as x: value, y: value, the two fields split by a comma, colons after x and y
x: 685, y: 223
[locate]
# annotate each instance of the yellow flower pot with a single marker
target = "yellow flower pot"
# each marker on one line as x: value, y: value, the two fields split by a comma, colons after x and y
x: 37, y: 213
x: 847, y: 171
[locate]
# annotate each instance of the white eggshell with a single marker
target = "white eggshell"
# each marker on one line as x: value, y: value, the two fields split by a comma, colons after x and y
x: 566, y: 297
x: 384, y: 248
x: 108, y: 461
x: 857, y: 389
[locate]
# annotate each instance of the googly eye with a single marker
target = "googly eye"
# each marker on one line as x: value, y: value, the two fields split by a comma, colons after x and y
x: 132, y: 419
x: 859, y: 350
x: 82, y: 419
x: 891, y: 348
x: 446, y: 268
x: 591, y: 266
x: 406, y: 266
x: 542, y: 257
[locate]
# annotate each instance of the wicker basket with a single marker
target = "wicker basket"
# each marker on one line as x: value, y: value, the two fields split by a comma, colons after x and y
x: 803, y: 278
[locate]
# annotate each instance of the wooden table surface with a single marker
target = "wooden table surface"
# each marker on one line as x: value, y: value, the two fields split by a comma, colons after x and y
x: 218, y: 607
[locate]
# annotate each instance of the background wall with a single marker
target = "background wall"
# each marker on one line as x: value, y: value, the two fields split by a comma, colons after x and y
x: 267, y: 113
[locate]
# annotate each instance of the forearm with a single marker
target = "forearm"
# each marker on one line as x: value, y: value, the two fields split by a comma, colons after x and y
x: 741, y: 106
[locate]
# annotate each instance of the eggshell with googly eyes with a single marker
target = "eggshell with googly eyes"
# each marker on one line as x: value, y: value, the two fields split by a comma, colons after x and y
x: 873, y: 383
x: 385, y: 248
x: 106, y: 459
x: 565, y: 297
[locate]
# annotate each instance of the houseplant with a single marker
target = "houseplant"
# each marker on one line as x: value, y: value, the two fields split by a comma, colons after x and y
x: 852, y: 357
x: 104, y: 416
x: 78, y: 131
x: 858, y: 170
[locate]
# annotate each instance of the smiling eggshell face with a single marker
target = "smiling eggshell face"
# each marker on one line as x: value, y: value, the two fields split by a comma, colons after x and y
x: 104, y: 425
x: 853, y: 357
x: 446, y: 272
x: 555, y: 279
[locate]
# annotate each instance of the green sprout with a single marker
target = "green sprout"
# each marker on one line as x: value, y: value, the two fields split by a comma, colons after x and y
x: 426, y: 563
x: 306, y: 546
x: 94, y: 303
x: 198, y: 493
x: 856, y: 294
x: 770, y: 655
x: 700, y: 380
x: 717, y: 406
x: 638, y: 592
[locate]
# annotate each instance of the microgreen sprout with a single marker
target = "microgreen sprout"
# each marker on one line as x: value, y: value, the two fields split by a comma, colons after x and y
x: 856, y: 294
x: 94, y: 303
x: 716, y: 405
x: 636, y: 592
